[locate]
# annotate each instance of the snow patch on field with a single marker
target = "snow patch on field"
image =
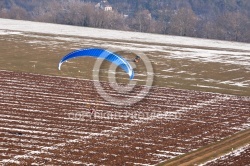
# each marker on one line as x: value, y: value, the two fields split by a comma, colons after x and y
x: 6, y: 32
x: 220, y: 56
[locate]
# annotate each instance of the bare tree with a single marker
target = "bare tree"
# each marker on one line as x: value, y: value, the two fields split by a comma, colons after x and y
x: 220, y: 19
x: 233, y: 26
x: 19, y: 13
x: 4, y: 13
x: 183, y: 23
x: 142, y: 21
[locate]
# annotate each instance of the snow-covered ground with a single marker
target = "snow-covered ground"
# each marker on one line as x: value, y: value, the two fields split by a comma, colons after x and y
x: 27, y: 26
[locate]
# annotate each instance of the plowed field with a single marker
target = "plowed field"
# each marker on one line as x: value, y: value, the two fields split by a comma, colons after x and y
x: 46, y: 120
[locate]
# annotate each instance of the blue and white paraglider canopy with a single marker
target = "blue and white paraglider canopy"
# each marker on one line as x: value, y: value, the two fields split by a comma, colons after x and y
x: 103, y: 54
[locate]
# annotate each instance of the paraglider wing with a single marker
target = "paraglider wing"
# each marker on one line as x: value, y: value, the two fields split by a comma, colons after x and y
x: 103, y: 54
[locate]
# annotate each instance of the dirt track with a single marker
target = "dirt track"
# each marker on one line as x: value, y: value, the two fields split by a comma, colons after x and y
x: 211, y: 151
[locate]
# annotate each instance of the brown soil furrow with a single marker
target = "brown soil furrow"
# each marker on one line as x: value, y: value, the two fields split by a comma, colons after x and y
x: 211, y: 151
x: 41, y: 111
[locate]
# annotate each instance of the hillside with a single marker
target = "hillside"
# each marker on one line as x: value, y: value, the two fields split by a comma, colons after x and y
x: 218, y: 19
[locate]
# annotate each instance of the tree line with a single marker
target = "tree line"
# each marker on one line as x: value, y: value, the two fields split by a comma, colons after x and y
x: 217, y: 19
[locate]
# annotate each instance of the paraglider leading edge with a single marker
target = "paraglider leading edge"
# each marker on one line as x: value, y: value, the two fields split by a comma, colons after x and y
x: 103, y: 54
